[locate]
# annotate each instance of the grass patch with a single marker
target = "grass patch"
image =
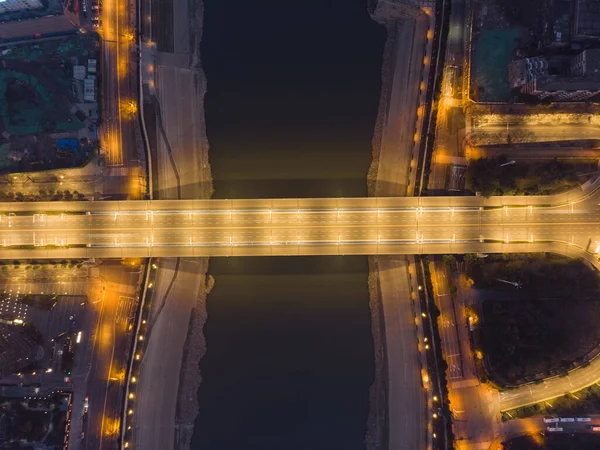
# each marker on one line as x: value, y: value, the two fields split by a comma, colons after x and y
x: 544, y: 328
x: 27, y: 107
x: 542, y: 275
x: 526, y: 339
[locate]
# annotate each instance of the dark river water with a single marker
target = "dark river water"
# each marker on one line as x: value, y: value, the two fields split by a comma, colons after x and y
x: 293, y: 90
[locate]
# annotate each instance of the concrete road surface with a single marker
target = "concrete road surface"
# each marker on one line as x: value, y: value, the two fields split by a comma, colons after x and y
x: 119, y: 134
x: 115, y: 299
x: 447, y: 322
x: 311, y: 226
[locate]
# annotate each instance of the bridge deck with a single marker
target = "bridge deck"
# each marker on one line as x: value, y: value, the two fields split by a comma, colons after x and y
x: 298, y: 226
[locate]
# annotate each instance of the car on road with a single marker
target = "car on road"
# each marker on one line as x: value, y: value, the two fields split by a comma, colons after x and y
x: 86, y: 405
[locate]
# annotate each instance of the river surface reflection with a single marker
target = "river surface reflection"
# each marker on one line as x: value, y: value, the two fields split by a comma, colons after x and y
x: 293, y: 91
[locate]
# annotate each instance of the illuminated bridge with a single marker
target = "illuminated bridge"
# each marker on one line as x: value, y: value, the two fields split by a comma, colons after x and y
x: 567, y: 223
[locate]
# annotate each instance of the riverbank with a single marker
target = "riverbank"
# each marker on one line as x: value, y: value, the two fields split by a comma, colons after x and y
x: 167, y: 404
x: 194, y: 181
x: 378, y: 419
x: 387, y: 74
x: 190, y: 377
x: 396, y: 405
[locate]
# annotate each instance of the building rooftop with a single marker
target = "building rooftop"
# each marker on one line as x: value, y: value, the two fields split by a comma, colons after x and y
x: 592, y: 64
x: 567, y: 84
x: 586, y: 21
x: 521, y: 71
x: 39, y: 26
x: 53, y: 18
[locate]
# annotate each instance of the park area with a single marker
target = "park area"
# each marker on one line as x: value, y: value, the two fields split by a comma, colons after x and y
x: 41, y: 104
x: 543, y: 324
x: 498, y: 176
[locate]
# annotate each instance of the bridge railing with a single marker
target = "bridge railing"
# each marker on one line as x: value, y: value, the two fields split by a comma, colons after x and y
x: 295, y: 249
x: 304, y: 204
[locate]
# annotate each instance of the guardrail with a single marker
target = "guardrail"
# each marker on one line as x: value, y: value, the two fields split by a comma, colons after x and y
x: 301, y: 204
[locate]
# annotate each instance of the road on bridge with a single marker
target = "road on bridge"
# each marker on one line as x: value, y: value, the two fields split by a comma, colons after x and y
x: 425, y: 225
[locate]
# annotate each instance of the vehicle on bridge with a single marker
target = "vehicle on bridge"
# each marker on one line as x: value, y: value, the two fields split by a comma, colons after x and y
x: 551, y: 419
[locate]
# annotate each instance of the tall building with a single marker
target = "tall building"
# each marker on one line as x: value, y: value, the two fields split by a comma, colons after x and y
x: 580, y: 83
x: 17, y: 5
x: 521, y: 71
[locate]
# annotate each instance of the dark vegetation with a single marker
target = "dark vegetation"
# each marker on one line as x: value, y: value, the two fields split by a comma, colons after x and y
x: 532, y: 15
x: 545, y: 328
x: 486, y: 175
x: 542, y: 275
x: 41, y: 196
x: 32, y: 264
x: 33, y: 420
x: 38, y: 99
x: 528, y: 338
